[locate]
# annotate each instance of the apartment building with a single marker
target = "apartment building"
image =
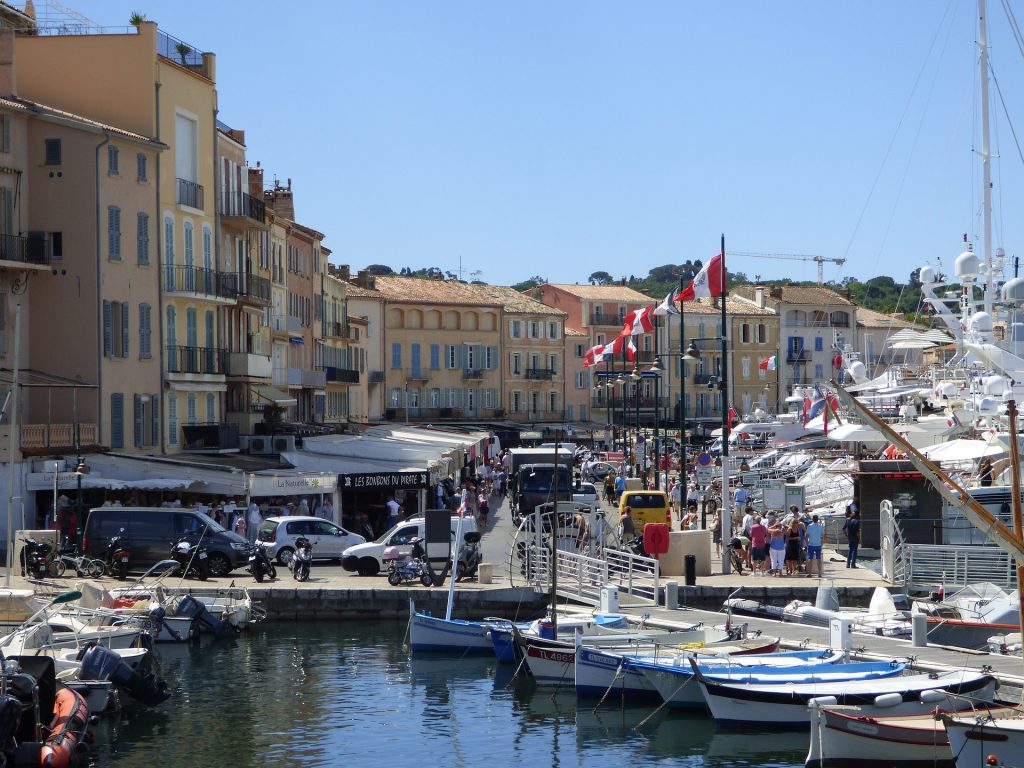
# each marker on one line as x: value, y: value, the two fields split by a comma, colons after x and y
x: 154, y: 85
x: 366, y: 308
x: 577, y: 380
x: 442, y: 349
x: 340, y: 356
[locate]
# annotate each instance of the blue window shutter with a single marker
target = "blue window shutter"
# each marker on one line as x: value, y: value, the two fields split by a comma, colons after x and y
x: 145, y: 350
x: 108, y: 330
x: 155, y: 434
x: 113, y: 233
x: 117, y: 420
x: 125, y: 329
x: 172, y: 419
x: 435, y: 356
x: 142, y: 223
x: 493, y: 354
x: 460, y: 359
x: 396, y: 355
x: 137, y: 401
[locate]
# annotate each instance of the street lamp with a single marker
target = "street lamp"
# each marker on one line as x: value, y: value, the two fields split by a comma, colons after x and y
x: 635, y: 378
x: 657, y: 370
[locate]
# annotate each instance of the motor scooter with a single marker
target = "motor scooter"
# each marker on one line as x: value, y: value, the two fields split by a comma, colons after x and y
x: 36, y: 559
x: 260, y: 564
x: 470, y: 556
x: 117, y: 556
x: 192, y: 559
x: 408, y: 568
x: 302, y: 559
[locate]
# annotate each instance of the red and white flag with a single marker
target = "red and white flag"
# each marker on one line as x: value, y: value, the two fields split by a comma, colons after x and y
x: 710, y: 281
x: 620, y: 343
x: 638, y: 321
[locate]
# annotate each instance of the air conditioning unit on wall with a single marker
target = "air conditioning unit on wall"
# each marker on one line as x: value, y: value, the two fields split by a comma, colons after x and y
x: 283, y: 443
x: 257, y: 445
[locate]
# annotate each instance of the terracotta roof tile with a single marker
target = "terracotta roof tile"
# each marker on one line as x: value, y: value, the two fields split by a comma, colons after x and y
x: 516, y: 303
x: 575, y: 332
x: 868, y: 318
x: 359, y: 291
x: 733, y: 306
x: 420, y: 290
x: 33, y: 107
x: 796, y: 294
x: 621, y: 293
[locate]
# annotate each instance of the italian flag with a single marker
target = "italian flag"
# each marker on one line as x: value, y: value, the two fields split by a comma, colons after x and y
x: 769, y: 363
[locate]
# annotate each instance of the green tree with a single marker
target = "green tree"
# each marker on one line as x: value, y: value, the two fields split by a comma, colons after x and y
x: 380, y: 270
x: 600, y: 278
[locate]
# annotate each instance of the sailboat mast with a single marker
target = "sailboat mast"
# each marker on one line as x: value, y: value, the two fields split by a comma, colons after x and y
x: 986, y: 165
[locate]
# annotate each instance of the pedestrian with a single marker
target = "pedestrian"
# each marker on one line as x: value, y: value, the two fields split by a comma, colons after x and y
x: 776, y: 546
x: 254, y: 520
x: 716, y: 533
x: 985, y: 472
x: 852, y: 529
x: 328, y: 509
x: 627, y: 528
x: 303, y: 507
x: 484, y: 504
x: 620, y: 487
x: 394, y: 511
x: 793, y: 535
x: 758, y: 543
x: 676, y: 497
x: 239, y: 526
x: 609, y: 487
x: 815, y: 540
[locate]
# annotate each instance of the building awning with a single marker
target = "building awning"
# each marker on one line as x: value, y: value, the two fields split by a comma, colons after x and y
x: 274, y: 396
x: 196, y: 386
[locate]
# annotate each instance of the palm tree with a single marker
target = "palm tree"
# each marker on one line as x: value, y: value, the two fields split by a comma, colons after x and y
x: 183, y: 51
x: 136, y: 18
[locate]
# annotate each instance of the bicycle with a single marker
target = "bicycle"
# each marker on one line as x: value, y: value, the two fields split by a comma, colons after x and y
x: 84, y: 566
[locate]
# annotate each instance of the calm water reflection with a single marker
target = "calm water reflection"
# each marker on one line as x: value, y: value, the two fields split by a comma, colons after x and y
x: 322, y: 694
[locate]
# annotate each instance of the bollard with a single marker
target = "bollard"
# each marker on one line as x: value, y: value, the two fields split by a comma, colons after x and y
x: 919, y: 630
x: 484, y: 573
x: 671, y: 595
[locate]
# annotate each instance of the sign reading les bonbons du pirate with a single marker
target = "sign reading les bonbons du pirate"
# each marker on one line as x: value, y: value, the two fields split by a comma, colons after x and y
x: 366, y: 480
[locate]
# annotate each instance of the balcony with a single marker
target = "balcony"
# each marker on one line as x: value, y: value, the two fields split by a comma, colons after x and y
x: 600, y: 318
x: 472, y: 374
x: 341, y: 375
x: 34, y: 249
x: 43, y: 439
x: 199, y: 281
x: 798, y: 356
x: 212, y: 437
x: 249, y: 366
x: 298, y: 377
x: 417, y: 374
x: 376, y: 377
x: 242, y: 205
x: 252, y: 289
x: 335, y: 330
x: 544, y: 374
x: 190, y: 194
x: 286, y: 325
x: 206, y: 360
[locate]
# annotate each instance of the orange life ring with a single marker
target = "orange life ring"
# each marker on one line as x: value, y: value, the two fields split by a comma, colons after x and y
x: 656, y: 538
x: 67, y: 730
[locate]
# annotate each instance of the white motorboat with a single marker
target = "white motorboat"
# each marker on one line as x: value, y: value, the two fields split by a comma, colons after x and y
x: 974, y: 736
x: 785, y: 705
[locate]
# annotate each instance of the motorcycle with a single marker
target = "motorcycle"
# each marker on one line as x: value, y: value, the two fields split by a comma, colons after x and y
x: 116, y: 558
x: 192, y: 559
x: 260, y: 564
x: 407, y: 569
x: 302, y: 559
x: 37, y: 561
x: 470, y: 556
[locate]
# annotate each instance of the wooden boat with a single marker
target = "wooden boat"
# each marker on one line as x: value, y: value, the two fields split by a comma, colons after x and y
x: 974, y: 736
x: 785, y: 705
x: 599, y: 670
x: 503, y: 637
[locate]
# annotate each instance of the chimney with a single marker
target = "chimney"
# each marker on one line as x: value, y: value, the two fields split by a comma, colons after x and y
x: 256, y: 182
x: 8, y: 81
x: 776, y: 292
x: 759, y: 296
x: 343, y: 272
x: 363, y: 279
x: 281, y: 201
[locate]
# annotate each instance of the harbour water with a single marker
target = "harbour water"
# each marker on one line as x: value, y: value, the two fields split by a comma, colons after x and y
x: 318, y: 694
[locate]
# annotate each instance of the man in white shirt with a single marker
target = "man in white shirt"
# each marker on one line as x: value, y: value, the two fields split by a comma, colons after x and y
x: 253, y: 521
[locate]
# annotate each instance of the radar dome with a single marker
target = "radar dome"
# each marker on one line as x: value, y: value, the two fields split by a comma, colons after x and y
x: 967, y: 265
x: 981, y: 322
x: 926, y: 275
x: 988, y: 405
x: 857, y: 371
x: 1013, y: 290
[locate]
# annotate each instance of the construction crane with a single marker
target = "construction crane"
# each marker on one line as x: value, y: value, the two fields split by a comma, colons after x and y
x: 795, y: 257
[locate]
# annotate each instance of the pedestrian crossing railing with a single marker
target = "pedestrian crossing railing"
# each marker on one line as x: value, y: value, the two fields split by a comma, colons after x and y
x: 581, y: 576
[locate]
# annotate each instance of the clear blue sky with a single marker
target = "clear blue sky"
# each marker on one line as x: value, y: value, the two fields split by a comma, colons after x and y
x: 557, y: 138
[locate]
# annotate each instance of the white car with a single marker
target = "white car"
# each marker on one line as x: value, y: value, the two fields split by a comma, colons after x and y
x: 367, y: 559
x: 587, y: 494
x: 277, y: 536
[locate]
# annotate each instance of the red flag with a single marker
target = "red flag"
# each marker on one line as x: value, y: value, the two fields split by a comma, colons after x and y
x: 638, y: 321
x: 733, y: 418
x: 710, y: 281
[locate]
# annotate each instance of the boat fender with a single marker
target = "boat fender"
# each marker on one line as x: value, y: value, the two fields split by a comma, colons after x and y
x: 933, y: 696
x: 823, y: 701
x: 888, y: 700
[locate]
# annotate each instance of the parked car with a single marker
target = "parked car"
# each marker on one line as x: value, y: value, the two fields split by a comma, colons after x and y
x: 367, y: 559
x: 150, y: 531
x: 587, y: 494
x: 601, y: 468
x: 277, y: 536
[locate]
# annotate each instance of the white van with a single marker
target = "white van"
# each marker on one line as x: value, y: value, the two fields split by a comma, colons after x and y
x: 366, y: 559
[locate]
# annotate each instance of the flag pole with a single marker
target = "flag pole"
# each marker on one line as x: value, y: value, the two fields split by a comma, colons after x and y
x: 682, y: 401
x: 726, y: 514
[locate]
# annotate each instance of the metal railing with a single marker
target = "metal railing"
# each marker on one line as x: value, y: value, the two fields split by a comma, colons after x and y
x: 190, y: 193
x: 197, y: 360
x: 474, y: 374
x: 252, y: 287
x: 199, y: 280
x: 242, y: 204
x: 34, y: 250
x: 177, y: 50
x: 798, y: 357
x: 341, y: 375
x: 540, y: 373
x: 335, y: 330
x: 600, y: 318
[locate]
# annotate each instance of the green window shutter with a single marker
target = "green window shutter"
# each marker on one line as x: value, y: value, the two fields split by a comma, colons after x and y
x: 117, y: 420
x: 108, y: 330
x: 125, y: 329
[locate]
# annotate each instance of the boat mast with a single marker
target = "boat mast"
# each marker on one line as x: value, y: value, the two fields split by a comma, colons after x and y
x: 1018, y: 524
x: 986, y: 170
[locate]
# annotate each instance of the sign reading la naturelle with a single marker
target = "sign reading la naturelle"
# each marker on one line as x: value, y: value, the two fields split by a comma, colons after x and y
x: 359, y: 480
x: 285, y: 485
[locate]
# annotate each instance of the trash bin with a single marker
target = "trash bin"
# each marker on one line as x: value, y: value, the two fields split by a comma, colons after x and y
x: 690, y: 570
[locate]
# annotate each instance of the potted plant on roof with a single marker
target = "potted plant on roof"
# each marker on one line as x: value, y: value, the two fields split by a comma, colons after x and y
x: 136, y: 19
x: 183, y: 50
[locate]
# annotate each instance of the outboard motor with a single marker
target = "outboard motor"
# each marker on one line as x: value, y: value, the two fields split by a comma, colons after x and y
x: 100, y: 663
x: 189, y: 606
x: 158, y: 613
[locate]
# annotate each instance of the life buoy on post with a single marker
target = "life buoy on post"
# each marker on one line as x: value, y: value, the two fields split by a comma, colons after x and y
x: 837, y: 362
x: 656, y: 539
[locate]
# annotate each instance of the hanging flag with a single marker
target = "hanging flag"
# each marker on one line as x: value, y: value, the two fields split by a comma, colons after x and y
x: 733, y: 418
x: 710, y: 281
x: 616, y: 347
x: 807, y: 409
x: 952, y: 421
x: 638, y: 321
x: 769, y: 363
x: 667, y: 307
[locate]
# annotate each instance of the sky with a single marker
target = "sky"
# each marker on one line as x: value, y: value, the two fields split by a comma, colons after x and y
x: 556, y: 138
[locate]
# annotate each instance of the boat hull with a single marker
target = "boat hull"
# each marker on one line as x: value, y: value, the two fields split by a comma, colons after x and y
x: 972, y: 738
x: 434, y: 634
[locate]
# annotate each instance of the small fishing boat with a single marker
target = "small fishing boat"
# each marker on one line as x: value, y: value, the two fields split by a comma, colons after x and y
x: 503, y: 637
x: 973, y: 736
x: 599, y: 670
x: 785, y: 704
x: 677, y: 685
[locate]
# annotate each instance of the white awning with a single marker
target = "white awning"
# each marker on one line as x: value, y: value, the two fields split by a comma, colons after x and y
x: 273, y: 396
x: 196, y: 386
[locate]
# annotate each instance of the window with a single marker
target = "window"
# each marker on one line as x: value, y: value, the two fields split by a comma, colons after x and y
x: 56, y: 246
x: 746, y: 366
x: 534, y: 329
x: 515, y: 329
x: 112, y: 160
x: 140, y: 167
x: 435, y: 358
x: 762, y: 333
x: 117, y: 420
x: 52, y: 150
x: 569, y: 413
x: 819, y: 371
x: 553, y: 364
x: 552, y: 330
x: 745, y: 333
x: 581, y: 379
x: 452, y: 356
x: 583, y: 413
x: 470, y: 356
x: 115, y: 329
x: 145, y: 332
x: 185, y: 148
x: 435, y: 398
x: 580, y: 352
x: 113, y: 233
x: 191, y: 413
x: 143, y: 425
x: 142, y: 230
x: 819, y: 344
x: 211, y: 408
x: 490, y: 354
x: 5, y: 136
x: 517, y: 362
x: 516, y: 403
x: 396, y: 355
